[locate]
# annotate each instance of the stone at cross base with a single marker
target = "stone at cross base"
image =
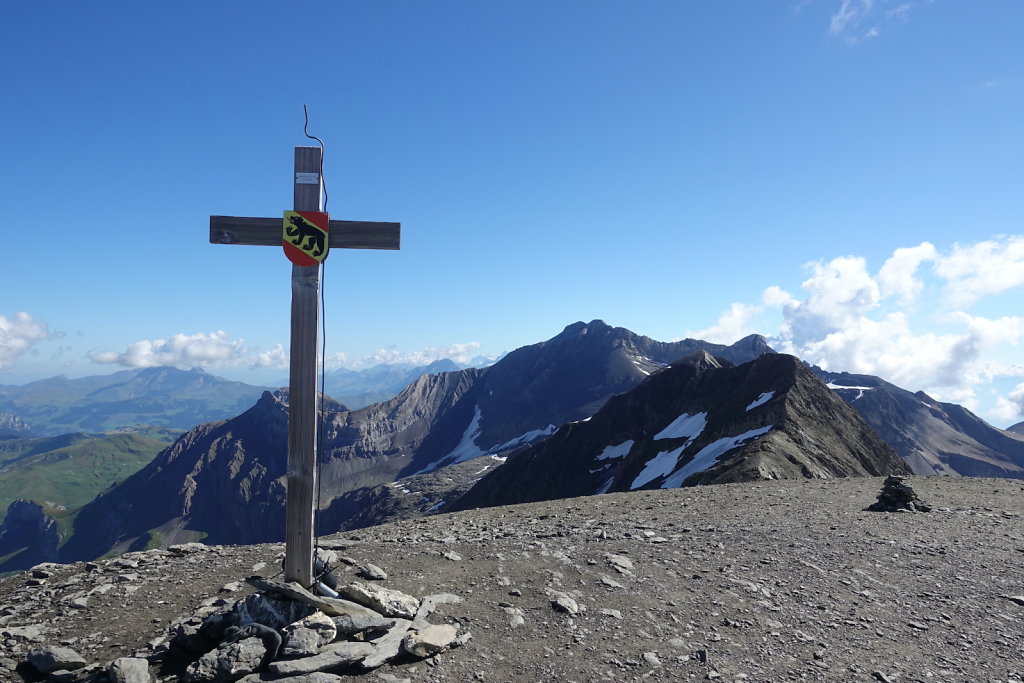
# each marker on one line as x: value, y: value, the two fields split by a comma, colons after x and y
x: 897, y: 495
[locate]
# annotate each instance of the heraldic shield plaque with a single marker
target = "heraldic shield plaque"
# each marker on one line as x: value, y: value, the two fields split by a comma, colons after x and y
x: 305, y: 238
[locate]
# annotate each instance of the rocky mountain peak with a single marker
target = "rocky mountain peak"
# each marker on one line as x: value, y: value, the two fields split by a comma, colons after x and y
x: 276, y: 401
x: 579, y: 328
x: 701, y: 361
x: 753, y: 345
x: 11, y: 425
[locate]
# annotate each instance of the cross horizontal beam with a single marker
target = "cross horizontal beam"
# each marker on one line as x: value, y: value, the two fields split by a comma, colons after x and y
x: 266, y: 232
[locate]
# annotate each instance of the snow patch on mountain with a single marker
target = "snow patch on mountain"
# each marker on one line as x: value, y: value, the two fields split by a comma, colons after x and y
x: 658, y: 466
x: 522, y: 439
x: 860, y: 390
x: 613, y: 452
x: 761, y: 400
x: 465, y: 450
x: 489, y: 462
x: 686, y: 425
x: 710, y: 454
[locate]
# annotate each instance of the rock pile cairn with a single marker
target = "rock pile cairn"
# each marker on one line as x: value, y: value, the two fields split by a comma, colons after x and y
x: 285, y: 631
x: 897, y: 496
x: 282, y: 632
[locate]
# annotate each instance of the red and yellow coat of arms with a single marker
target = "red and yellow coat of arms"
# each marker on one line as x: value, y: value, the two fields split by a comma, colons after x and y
x: 305, y: 237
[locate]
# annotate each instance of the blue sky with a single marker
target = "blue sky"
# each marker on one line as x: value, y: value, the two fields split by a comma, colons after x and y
x: 842, y: 176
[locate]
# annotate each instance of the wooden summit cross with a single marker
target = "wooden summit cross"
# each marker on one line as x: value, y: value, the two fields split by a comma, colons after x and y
x: 302, y: 394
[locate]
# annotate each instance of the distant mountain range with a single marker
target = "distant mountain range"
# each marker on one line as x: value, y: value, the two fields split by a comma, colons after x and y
x: 593, y: 409
x: 173, y: 398
x: 165, y: 397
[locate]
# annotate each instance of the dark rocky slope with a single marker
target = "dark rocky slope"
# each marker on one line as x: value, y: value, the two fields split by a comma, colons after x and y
x: 220, y: 482
x: 28, y: 536
x: 932, y: 437
x: 700, y: 421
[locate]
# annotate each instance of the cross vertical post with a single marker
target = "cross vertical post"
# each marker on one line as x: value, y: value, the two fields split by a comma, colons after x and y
x: 303, y: 397
x: 302, y: 391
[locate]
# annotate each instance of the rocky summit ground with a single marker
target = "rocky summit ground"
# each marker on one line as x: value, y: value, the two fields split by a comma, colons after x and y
x: 772, y: 581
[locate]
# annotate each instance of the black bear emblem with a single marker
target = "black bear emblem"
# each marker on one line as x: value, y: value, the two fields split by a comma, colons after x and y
x: 301, y: 230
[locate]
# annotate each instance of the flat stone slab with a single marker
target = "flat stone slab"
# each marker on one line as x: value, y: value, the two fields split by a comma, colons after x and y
x: 388, y: 646
x: 332, y: 607
x: 390, y: 603
x: 350, y: 624
x: 334, y: 656
x: 55, y: 658
x: 315, y: 677
x: 429, y: 641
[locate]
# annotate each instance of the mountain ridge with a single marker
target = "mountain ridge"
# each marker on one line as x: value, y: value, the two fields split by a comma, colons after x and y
x: 702, y: 420
x: 191, y: 490
x: 931, y: 436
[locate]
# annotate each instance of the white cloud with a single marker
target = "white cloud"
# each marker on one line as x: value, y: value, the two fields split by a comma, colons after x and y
x: 18, y: 334
x: 1011, y: 406
x: 840, y: 292
x: 775, y: 297
x: 897, y: 276
x: 740, y: 320
x: 276, y: 357
x: 939, y: 364
x: 856, y: 320
x: 849, y: 15
x: 337, y: 360
x: 900, y: 13
x: 847, y: 20
x: 460, y: 353
x: 978, y: 270
x: 216, y: 349
x: 732, y: 325
x: 858, y: 20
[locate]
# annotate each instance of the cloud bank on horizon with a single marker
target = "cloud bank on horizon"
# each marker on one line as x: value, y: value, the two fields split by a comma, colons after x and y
x: 218, y: 350
x: 909, y: 322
